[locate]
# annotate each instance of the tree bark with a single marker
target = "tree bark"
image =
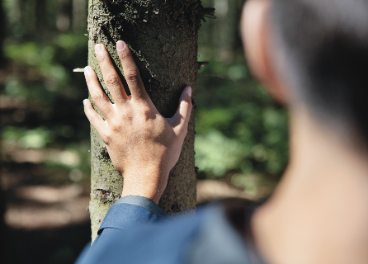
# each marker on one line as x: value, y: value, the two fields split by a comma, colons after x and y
x: 162, y: 35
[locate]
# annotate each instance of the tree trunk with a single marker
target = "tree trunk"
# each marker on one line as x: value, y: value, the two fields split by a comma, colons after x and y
x: 79, y: 15
x: 3, y: 235
x: 2, y: 34
x: 162, y: 35
x: 64, y: 15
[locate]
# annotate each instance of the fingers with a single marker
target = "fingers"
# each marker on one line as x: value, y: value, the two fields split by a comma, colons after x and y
x: 99, y: 98
x: 111, y: 77
x: 180, y: 120
x: 95, y: 119
x: 131, y: 72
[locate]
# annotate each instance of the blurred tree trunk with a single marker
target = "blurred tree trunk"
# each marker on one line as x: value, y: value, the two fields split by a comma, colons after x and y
x: 41, y: 22
x: 79, y: 15
x: 162, y: 35
x: 3, y: 243
x: 2, y: 34
x: 28, y: 18
x: 64, y: 16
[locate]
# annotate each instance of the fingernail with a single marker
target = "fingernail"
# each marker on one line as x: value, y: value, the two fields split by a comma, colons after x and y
x: 87, y: 70
x: 189, y: 91
x: 85, y: 101
x: 120, y: 45
x: 98, y: 48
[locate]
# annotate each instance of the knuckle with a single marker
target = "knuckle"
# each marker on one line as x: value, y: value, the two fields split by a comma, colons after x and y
x: 146, y: 113
x: 106, y: 138
x: 101, y: 58
x: 125, y: 55
x: 104, y: 109
x: 128, y: 117
x: 115, y: 126
x: 132, y: 75
x: 97, y: 98
x: 112, y: 81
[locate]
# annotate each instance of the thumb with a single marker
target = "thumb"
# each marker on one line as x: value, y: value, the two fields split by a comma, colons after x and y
x: 180, y: 120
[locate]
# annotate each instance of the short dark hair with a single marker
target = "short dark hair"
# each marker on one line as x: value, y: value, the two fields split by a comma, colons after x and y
x: 323, y: 47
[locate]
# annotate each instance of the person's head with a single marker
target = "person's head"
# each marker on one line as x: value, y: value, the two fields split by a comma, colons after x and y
x: 312, y: 54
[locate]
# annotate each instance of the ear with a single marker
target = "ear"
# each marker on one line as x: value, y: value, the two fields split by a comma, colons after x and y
x: 257, y: 44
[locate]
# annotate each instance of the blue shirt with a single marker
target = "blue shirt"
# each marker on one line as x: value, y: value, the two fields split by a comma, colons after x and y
x: 136, y: 231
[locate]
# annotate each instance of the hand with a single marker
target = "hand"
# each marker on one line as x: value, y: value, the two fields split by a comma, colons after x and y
x: 143, y: 145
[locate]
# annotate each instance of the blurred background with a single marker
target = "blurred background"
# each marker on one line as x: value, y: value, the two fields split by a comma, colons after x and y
x: 241, y: 141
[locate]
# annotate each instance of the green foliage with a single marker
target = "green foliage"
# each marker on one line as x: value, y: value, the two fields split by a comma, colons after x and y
x: 216, y: 153
x: 241, y: 131
x: 50, y: 95
x: 27, y: 138
x: 248, y: 135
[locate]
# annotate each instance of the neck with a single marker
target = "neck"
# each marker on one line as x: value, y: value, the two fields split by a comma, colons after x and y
x: 319, y: 211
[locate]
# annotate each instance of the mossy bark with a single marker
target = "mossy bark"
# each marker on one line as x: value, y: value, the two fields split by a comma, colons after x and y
x: 162, y: 35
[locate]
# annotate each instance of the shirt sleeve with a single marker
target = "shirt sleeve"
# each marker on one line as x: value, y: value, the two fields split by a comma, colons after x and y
x: 131, y: 211
x: 203, y: 237
x: 127, y: 212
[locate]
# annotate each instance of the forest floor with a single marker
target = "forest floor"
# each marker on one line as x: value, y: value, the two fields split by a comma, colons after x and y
x: 46, y: 216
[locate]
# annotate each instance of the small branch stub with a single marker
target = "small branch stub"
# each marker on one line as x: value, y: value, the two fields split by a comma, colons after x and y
x: 202, y: 64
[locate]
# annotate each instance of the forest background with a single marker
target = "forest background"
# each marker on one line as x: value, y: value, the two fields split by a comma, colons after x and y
x: 241, y: 133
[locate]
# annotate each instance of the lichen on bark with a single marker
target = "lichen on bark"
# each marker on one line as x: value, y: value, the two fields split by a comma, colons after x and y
x: 162, y: 35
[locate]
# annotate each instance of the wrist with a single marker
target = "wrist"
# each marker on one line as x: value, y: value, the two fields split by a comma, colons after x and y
x: 154, y: 196
x: 151, y: 187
